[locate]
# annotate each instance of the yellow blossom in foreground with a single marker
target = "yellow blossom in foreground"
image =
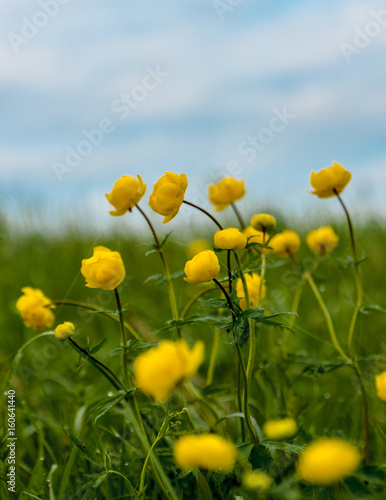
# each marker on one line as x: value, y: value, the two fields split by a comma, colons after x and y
x: 34, y: 308
x: 202, y: 268
x: 126, y: 193
x: 285, y: 244
x: 327, y: 461
x: 380, y: 385
x: 322, y: 240
x: 168, y: 195
x: 257, y: 481
x: 330, y: 179
x: 263, y: 222
x: 230, y: 239
x: 280, y: 428
x: 226, y: 192
x: 161, y: 368
x: 206, y: 451
x: 253, y: 286
x: 104, y: 269
x: 254, y: 236
x: 64, y: 331
x: 197, y: 246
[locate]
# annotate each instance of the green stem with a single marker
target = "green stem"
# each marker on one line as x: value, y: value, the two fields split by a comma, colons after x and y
x: 238, y: 215
x: 294, y: 308
x: 194, y: 299
x: 229, y: 269
x: 262, y: 274
x: 365, y: 412
x: 206, y: 213
x: 213, y: 356
x: 124, y: 339
x: 131, y: 488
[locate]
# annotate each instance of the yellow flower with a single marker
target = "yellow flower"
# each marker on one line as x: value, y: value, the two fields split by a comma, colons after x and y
x: 197, y: 246
x: 330, y: 179
x: 230, y: 239
x: 380, y: 384
x: 34, y: 308
x: 322, y: 240
x: 168, y: 195
x: 203, y: 267
x: 253, y: 286
x: 263, y: 222
x: 280, y: 428
x: 257, y: 480
x: 104, y: 269
x: 161, y: 368
x: 328, y: 460
x: 226, y: 192
x: 126, y: 193
x: 285, y: 244
x: 254, y: 236
x: 206, y: 451
x: 64, y: 331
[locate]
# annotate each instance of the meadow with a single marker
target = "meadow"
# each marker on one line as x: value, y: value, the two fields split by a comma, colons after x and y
x: 79, y: 436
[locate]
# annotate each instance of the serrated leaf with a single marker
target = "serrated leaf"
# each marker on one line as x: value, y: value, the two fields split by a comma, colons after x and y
x: 274, y: 446
x: 99, y: 409
x: 214, y: 303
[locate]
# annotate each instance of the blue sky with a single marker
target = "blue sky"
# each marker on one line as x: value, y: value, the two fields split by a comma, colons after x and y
x: 221, y: 78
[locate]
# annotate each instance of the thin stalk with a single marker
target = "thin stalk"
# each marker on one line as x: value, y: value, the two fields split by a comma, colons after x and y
x: 194, y: 299
x: 213, y: 356
x: 240, y: 402
x: 229, y: 269
x: 263, y: 267
x: 205, y: 212
x: 238, y: 215
x: 294, y: 308
x: 366, y: 414
x: 131, y: 487
x: 124, y: 339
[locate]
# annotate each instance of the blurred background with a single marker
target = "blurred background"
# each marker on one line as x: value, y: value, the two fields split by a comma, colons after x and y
x: 260, y: 90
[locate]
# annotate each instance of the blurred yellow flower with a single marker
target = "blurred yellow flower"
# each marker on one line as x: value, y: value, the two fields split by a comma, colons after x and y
x: 104, y: 269
x: 253, y: 236
x: 126, y: 193
x: 327, y: 461
x: 285, y: 244
x: 226, y: 192
x: 280, y: 428
x: 34, y: 308
x: 330, y: 179
x: 380, y: 385
x: 203, y: 267
x: 263, y: 222
x: 322, y: 240
x: 253, y: 286
x: 161, y: 368
x: 168, y: 195
x: 206, y: 451
x: 230, y: 239
x: 64, y: 331
x: 257, y: 480
x: 197, y: 246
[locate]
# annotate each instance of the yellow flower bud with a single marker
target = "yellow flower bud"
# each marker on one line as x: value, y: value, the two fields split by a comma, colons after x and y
x: 254, y: 236
x: 280, y: 428
x: 64, y: 331
x: 206, y: 451
x: 253, y: 286
x: 263, y: 222
x: 327, y: 461
x: 34, y: 308
x: 168, y: 195
x: 322, y: 240
x: 104, y: 269
x: 330, y: 179
x: 197, y: 246
x: 380, y: 385
x: 257, y: 481
x: 226, y: 192
x: 161, y: 368
x: 230, y: 239
x: 202, y: 268
x: 126, y: 193
x: 285, y: 244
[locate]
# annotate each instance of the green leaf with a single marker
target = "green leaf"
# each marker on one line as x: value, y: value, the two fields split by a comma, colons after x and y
x: 88, y: 452
x: 215, y: 303
x: 95, y: 349
x: 274, y: 446
x: 373, y: 308
x: 348, y: 262
x: 317, y: 367
x: 102, y: 407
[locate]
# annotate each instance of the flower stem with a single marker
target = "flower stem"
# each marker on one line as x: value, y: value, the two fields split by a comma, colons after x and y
x: 206, y: 213
x: 213, y: 356
x: 124, y: 339
x: 263, y: 267
x: 365, y: 412
x: 238, y: 215
x: 229, y: 270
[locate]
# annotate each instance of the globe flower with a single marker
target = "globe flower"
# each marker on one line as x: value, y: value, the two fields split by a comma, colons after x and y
x: 380, y: 385
x: 226, y: 192
x: 285, y: 244
x: 161, y: 368
x: 253, y: 236
x: 64, y: 331
x: 126, y: 193
x: 327, y: 461
x: 168, y: 195
x: 202, y: 268
x: 257, y: 480
x: 104, y: 269
x: 330, y: 181
x: 263, y: 222
x: 230, y: 239
x: 280, y: 428
x: 35, y: 308
x: 322, y: 240
x: 253, y: 286
x: 197, y: 246
x: 206, y: 451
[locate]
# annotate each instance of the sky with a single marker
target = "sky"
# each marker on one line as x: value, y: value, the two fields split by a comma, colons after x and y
x: 260, y: 90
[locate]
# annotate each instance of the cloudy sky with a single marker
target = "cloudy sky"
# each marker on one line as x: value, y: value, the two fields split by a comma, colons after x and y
x: 266, y: 91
